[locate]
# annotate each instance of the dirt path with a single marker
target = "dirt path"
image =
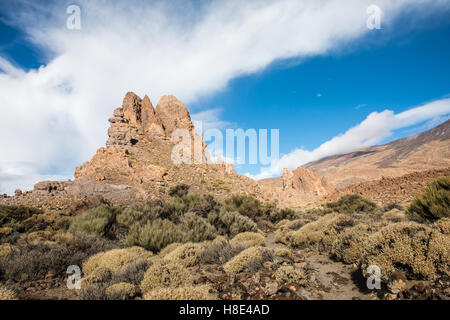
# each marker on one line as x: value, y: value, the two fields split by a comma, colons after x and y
x: 327, y: 279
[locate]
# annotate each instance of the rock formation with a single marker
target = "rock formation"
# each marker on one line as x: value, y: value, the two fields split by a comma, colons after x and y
x: 306, y: 181
x: 137, y: 163
x: 140, y: 144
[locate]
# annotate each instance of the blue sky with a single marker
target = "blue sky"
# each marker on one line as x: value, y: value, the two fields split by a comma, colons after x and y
x: 313, y: 79
x: 314, y: 100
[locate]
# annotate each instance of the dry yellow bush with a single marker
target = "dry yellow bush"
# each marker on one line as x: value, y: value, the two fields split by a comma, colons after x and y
x: 96, y: 276
x: 7, y: 294
x: 114, y: 260
x: 121, y: 291
x: 165, y: 275
x: 219, y: 251
x: 283, y: 236
x: 443, y: 225
x: 6, y: 250
x: 249, y: 260
x: 282, y: 223
x: 39, y: 236
x: 5, y: 231
x: 322, y: 232
x: 202, y: 292
x: 287, y: 274
x: 284, y: 253
x: 286, y: 229
x: 168, y: 249
x: 414, y: 248
x: 348, y: 246
x: 188, y: 254
x: 395, y: 215
x: 248, y: 239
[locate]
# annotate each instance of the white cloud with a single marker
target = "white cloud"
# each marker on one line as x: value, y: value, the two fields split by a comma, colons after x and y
x: 209, y: 119
x: 55, y: 117
x: 374, y: 129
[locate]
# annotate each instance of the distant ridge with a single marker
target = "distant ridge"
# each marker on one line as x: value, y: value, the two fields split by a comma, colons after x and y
x: 424, y: 151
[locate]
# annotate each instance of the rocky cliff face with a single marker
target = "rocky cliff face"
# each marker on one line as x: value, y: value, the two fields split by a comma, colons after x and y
x: 140, y: 144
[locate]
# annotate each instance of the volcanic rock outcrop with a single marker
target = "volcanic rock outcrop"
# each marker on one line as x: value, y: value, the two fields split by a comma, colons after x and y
x: 148, y: 151
x: 306, y: 181
x: 297, y: 188
x: 140, y: 144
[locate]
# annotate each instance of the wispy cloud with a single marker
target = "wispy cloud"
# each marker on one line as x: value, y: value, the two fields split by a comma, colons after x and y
x: 209, y: 119
x: 56, y: 117
x: 362, y: 105
x: 374, y: 129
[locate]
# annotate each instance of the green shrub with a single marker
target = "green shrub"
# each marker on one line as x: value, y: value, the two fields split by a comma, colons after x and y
x: 246, y: 205
x: 129, y: 216
x: 352, y: 204
x: 197, y: 228
x: 201, y: 205
x: 15, y: 216
x: 180, y: 190
x: 435, y: 203
x: 96, y: 221
x: 281, y: 214
x: 231, y: 223
x: 155, y: 235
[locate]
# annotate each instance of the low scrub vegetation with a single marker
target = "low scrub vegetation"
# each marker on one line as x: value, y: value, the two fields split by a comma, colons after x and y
x: 231, y: 223
x: 350, y: 204
x: 201, y: 292
x: 288, y: 274
x: 248, y: 239
x: 434, y: 203
x: 249, y: 260
x: 96, y: 221
x: 7, y: 294
x: 114, y: 260
x: 188, y: 254
x: 417, y: 250
x: 155, y: 235
x: 321, y: 233
x: 18, y: 218
x: 165, y: 275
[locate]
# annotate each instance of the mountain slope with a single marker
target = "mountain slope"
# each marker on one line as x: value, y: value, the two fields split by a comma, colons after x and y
x: 425, y: 151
